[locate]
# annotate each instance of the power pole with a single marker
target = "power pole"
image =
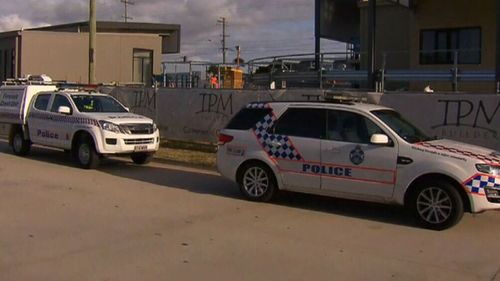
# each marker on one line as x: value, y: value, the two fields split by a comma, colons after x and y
x: 92, y: 41
x: 238, y: 54
x: 317, y: 34
x: 126, y: 3
x: 222, y: 20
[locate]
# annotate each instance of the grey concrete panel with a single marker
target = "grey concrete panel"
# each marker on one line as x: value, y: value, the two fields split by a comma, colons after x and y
x: 197, y: 114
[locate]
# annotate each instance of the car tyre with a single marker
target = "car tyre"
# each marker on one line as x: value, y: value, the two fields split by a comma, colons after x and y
x: 257, y: 182
x: 141, y: 158
x: 20, y: 145
x: 86, y: 154
x: 436, y: 205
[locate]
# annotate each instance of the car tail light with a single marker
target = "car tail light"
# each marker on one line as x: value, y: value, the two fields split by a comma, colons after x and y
x: 223, y: 139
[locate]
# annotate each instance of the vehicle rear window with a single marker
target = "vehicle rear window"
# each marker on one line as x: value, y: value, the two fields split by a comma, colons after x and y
x: 302, y: 122
x: 59, y: 101
x: 42, y: 101
x: 247, y: 118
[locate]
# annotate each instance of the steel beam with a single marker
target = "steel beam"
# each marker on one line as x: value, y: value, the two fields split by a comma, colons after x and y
x: 371, y: 43
x: 317, y: 34
x: 497, y: 59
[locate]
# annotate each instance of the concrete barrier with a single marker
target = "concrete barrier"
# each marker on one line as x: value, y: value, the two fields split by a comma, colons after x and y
x: 470, y: 118
x: 139, y: 100
x: 197, y: 114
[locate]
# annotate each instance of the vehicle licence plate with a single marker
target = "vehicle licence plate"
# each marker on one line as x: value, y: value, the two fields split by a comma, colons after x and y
x: 140, y: 147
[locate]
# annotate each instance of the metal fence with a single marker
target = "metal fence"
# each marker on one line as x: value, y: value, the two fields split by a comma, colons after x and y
x: 345, y: 70
x: 336, y: 69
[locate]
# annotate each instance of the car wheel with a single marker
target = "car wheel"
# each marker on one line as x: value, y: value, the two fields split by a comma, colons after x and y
x: 257, y: 182
x: 20, y: 146
x: 86, y: 155
x: 437, y: 205
x: 141, y: 158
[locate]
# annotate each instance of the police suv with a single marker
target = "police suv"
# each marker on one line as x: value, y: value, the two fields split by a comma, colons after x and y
x: 87, y: 123
x: 356, y: 151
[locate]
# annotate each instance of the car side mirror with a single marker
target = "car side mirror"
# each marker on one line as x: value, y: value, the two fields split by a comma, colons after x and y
x: 379, y: 139
x: 127, y: 109
x: 64, y: 110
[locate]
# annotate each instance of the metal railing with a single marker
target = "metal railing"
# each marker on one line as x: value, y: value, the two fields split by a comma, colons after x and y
x: 336, y: 69
x: 343, y: 69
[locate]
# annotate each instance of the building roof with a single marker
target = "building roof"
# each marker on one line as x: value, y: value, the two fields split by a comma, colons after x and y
x: 106, y: 27
x: 114, y: 27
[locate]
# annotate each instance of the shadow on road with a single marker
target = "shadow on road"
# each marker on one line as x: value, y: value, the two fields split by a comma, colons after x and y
x: 202, y: 183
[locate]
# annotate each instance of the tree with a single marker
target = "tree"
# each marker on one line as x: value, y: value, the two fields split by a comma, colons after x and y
x: 213, y: 69
x: 242, y: 61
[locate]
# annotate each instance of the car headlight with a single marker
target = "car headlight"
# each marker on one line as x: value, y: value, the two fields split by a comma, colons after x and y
x: 488, y: 169
x: 112, y: 127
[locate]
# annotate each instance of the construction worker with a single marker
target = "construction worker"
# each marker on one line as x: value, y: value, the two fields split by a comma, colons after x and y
x: 213, y: 82
x: 89, y: 104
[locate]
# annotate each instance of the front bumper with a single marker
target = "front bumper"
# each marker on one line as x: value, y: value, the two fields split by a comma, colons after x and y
x: 112, y: 143
x: 484, y: 192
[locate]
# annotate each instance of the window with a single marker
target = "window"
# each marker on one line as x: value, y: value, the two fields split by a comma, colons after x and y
x: 143, y: 66
x: 247, y: 118
x: 350, y: 127
x: 403, y: 128
x: 42, y: 101
x: 438, y: 46
x: 59, y: 101
x: 94, y: 103
x: 302, y: 122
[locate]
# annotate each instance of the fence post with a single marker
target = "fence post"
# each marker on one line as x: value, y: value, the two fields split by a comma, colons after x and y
x: 164, y: 72
x: 455, y: 72
x: 271, y: 73
x: 250, y: 73
x: 190, y: 76
x: 320, y: 69
x: 218, y: 77
x: 382, y: 74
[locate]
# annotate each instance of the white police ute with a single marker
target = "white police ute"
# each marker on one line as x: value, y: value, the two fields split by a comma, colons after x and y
x: 356, y: 151
x: 83, y: 121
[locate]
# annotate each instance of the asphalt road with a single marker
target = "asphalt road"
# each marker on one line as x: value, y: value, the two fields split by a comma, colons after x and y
x: 162, y: 222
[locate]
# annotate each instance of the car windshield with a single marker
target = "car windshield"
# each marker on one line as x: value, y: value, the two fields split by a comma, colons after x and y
x: 403, y: 128
x: 93, y: 103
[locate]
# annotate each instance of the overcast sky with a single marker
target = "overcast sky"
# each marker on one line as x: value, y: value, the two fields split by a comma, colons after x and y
x: 260, y: 27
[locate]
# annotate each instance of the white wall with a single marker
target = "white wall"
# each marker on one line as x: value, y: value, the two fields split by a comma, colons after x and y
x: 197, y: 114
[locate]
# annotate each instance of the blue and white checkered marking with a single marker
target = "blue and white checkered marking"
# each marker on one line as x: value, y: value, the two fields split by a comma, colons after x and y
x: 254, y: 105
x: 285, y: 150
x: 479, y: 182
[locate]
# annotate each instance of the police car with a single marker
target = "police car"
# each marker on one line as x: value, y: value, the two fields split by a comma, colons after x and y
x: 83, y: 121
x: 356, y: 151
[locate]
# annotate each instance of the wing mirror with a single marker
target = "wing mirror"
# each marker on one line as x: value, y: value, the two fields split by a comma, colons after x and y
x: 64, y: 110
x: 127, y: 109
x: 380, y: 139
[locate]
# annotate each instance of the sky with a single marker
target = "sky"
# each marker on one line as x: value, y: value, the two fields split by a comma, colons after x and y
x: 261, y: 27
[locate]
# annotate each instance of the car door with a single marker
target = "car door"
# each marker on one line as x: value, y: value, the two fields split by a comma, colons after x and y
x: 295, y: 146
x: 39, y: 129
x: 60, y: 124
x: 352, y: 165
